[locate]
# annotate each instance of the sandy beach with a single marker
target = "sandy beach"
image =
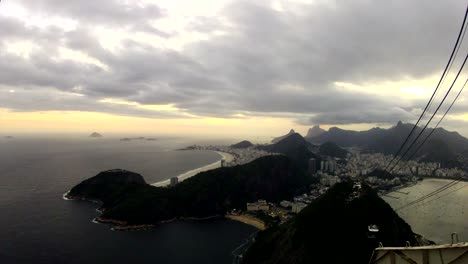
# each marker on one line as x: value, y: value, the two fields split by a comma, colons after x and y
x: 226, y: 156
x: 249, y: 220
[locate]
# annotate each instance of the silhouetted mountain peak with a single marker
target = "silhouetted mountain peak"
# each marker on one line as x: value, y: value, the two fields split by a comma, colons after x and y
x: 294, y: 138
x: 315, y: 131
x: 242, y: 144
x: 375, y: 129
x: 276, y: 140
x: 294, y: 146
x: 400, y: 126
x: 336, y: 129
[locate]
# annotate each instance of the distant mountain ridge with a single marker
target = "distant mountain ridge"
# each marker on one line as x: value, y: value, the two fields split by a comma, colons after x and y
x: 315, y: 131
x: 387, y: 141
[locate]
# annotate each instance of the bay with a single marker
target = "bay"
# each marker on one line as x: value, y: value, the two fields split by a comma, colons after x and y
x: 438, y: 216
x: 38, y: 226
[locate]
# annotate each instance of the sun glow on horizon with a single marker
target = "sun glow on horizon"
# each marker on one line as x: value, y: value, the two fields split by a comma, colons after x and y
x: 260, y: 128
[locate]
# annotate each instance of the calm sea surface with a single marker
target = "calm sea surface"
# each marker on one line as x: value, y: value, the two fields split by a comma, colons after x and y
x: 438, y: 216
x: 38, y: 226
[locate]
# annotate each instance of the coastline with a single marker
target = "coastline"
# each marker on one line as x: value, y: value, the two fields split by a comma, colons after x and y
x: 248, y: 220
x: 404, y: 186
x: 226, y: 156
x: 119, y: 225
x: 399, y: 188
x: 66, y: 196
x: 445, y: 178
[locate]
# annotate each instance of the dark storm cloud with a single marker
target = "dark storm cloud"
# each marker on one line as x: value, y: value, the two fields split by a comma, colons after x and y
x: 266, y: 62
x: 389, y: 115
x: 353, y: 42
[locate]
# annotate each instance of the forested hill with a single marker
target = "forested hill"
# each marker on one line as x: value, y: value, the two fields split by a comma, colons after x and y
x: 209, y: 193
x: 295, y: 147
x: 333, y: 150
x: 333, y: 229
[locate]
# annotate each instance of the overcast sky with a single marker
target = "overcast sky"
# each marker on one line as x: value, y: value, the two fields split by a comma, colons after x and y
x: 248, y: 67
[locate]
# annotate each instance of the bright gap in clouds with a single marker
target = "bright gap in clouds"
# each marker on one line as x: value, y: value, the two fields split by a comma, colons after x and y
x: 22, y: 48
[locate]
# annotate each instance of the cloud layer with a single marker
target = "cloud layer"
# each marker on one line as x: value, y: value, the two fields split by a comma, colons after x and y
x: 258, y: 58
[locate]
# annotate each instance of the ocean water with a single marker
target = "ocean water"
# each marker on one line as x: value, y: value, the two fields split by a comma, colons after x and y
x: 38, y: 226
x: 438, y: 216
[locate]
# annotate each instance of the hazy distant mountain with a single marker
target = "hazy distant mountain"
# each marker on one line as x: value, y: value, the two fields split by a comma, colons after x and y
x: 276, y: 140
x: 389, y: 140
x: 346, y: 138
x: 95, y: 135
x: 315, y: 131
x: 242, y: 144
x: 338, y: 215
x: 333, y: 150
x: 436, y: 150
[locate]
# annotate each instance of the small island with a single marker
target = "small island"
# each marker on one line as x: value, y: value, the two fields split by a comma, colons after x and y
x: 95, y: 135
x: 137, y: 138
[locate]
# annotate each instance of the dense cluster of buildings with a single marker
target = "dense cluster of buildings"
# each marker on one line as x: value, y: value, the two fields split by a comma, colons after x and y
x: 450, y: 173
x: 365, y: 164
x: 325, y: 170
x: 260, y: 205
x: 358, y: 164
x: 385, y: 183
x: 286, y: 209
x: 174, y: 181
x: 329, y: 171
x: 327, y: 165
x: 370, y: 167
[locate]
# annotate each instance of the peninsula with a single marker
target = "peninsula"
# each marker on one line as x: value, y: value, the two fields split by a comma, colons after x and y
x: 129, y: 202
